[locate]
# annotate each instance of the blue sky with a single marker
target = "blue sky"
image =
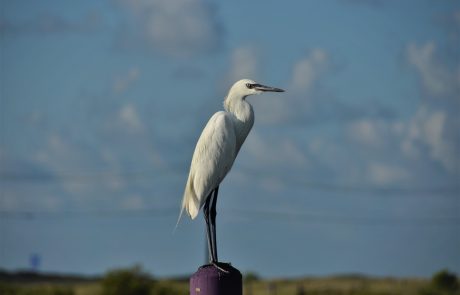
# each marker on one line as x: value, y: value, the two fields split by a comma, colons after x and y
x: 354, y: 169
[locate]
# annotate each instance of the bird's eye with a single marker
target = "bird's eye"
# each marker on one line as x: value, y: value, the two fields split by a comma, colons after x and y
x: 249, y: 85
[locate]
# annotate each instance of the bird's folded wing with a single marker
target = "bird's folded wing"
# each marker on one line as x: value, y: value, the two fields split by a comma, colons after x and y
x: 214, y: 155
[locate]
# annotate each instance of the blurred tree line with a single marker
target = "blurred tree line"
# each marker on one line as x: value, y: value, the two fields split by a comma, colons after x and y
x: 127, y: 281
x: 135, y: 281
x: 442, y: 283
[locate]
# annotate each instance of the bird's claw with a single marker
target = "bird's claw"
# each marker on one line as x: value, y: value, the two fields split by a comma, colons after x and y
x: 216, y: 265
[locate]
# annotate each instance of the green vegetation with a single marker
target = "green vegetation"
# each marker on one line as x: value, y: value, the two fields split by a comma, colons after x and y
x: 445, y: 281
x: 132, y: 281
x: 442, y: 283
x: 250, y: 277
x: 129, y: 281
x: 135, y: 281
x: 12, y: 289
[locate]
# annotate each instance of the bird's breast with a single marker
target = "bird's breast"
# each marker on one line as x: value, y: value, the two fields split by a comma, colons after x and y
x: 242, y: 129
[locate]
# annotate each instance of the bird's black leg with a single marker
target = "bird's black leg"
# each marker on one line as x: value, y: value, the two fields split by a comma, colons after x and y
x: 208, y: 225
x: 212, y: 216
x: 213, y: 213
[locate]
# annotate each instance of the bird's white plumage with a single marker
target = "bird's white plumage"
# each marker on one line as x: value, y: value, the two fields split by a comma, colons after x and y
x: 213, y: 157
x: 219, y: 145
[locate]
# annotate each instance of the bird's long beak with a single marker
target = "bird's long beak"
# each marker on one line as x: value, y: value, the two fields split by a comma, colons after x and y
x: 267, y: 88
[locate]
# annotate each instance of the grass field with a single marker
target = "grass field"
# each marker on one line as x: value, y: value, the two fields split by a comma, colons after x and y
x: 337, y: 285
x: 305, y: 286
x: 133, y: 282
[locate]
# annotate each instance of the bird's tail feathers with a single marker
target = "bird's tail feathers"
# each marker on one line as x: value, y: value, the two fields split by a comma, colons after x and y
x: 178, y: 219
x: 188, y: 202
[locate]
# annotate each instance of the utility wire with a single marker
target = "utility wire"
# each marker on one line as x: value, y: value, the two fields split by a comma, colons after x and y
x: 259, y: 215
x: 90, y: 177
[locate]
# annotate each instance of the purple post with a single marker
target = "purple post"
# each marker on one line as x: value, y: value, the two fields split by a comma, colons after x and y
x: 209, y: 280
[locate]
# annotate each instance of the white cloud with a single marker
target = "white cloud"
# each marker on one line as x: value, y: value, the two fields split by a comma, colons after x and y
x: 298, y: 102
x: 14, y: 199
x: 428, y: 136
x: 385, y: 174
x: 88, y: 176
x: 129, y: 117
x: 308, y: 70
x: 175, y: 27
x: 114, y: 181
x: 126, y: 131
x: 54, y: 147
x: 365, y: 131
x: 63, y: 159
x: 243, y: 65
x: 132, y: 202
x: 269, y: 162
x: 433, y: 131
x: 393, y: 151
x: 430, y: 128
x: 282, y: 153
x: 123, y: 82
x: 436, y: 78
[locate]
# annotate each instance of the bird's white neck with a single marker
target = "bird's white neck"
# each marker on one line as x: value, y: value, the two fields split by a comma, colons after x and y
x: 237, y: 105
x: 243, y: 114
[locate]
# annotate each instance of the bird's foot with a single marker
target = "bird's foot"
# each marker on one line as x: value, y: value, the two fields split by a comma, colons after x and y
x: 216, y: 265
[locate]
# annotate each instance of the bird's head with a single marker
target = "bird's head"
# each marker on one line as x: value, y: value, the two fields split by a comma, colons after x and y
x: 247, y: 87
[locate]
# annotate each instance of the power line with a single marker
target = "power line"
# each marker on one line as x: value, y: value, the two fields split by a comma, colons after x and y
x: 63, y: 214
x: 303, y: 181
x: 89, y: 177
x: 259, y: 215
x: 78, y: 177
x: 350, y: 220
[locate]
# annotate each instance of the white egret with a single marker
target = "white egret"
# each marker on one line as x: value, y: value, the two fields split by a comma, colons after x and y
x: 215, y: 153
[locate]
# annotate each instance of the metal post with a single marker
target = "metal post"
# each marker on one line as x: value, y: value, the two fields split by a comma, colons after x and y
x: 209, y: 280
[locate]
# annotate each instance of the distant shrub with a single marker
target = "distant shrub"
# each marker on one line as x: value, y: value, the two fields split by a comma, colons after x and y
x: 251, y: 277
x: 442, y: 283
x: 444, y: 280
x: 131, y: 281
